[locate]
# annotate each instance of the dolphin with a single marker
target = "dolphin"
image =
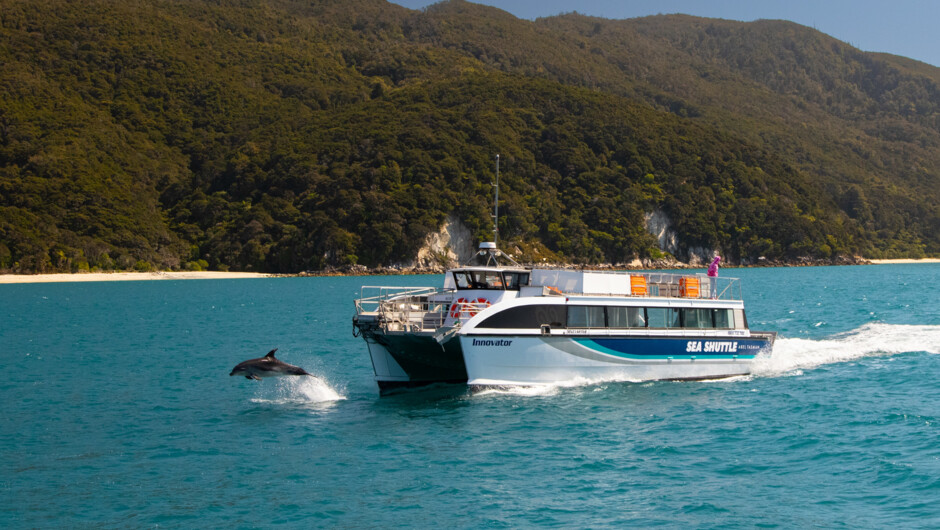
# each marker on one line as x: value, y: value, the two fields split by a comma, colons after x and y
x: 267, y: 366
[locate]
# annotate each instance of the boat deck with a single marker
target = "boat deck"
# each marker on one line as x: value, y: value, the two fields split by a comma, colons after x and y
x: 415, y: 309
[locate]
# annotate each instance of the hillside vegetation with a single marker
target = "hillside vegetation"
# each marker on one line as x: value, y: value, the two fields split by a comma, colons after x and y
x: 284, y: 136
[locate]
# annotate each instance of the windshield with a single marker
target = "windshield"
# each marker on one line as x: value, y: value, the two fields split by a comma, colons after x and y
x: 484, y: 279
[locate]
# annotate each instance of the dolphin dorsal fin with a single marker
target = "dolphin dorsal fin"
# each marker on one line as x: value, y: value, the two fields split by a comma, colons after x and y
x: 270, y: 354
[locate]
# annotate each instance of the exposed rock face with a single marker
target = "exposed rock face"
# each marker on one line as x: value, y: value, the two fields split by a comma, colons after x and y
x: 452, y: 246
x: 700, y: 256
x: 658, y: 224
x: 448, y: 247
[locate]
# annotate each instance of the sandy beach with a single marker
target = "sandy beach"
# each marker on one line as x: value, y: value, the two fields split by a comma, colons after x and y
x: 126, y: 276
x: 895, y: 261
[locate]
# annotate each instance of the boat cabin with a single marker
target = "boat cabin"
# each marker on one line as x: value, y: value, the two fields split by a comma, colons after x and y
x: 489, y: 269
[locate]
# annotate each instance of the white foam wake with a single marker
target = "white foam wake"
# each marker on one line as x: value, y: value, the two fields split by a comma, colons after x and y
x: 299, y: 390
x: 790, y: 355
x: 549, y: 389
x: 512, y: 390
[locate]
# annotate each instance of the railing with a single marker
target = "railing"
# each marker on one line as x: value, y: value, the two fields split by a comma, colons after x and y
x: 371, y: 297
x: 415, y: 308
x: 677, y: 286
x: 403, y: 308
x: 657, y: 284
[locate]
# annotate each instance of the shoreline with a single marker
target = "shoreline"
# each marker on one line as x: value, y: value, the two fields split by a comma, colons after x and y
x: 219, y: 275
x: 128, y: 276
x: 902, y: 260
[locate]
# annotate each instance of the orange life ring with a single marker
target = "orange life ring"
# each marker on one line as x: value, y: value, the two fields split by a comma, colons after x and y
x: 478, y: 305
x: 458, y: 306
x: 463, y: 306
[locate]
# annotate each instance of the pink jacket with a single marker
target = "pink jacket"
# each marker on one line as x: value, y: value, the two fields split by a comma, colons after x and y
x: 713, y: 268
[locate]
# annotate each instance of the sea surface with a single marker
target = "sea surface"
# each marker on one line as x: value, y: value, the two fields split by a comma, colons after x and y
x: 118, y: 411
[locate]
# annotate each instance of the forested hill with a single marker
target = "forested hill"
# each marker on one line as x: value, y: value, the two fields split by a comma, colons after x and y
x: 290, y: 135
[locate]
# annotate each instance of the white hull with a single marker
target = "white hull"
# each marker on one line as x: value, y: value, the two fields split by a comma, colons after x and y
x: 534, y: 360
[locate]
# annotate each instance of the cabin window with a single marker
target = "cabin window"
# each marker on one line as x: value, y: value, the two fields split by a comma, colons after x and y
x: 478, y: 280
x: 626, y: 317
x: 663, y: 317
x: 697, y: 318
x: 462, y: 279
x: 515, y: 280
x: 492, y: 279
x: 580, y: 316
x: 527, y: 317
x: 723, y: 318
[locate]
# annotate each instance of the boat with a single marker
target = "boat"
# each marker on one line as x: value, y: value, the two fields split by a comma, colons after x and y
x: 495, y: 322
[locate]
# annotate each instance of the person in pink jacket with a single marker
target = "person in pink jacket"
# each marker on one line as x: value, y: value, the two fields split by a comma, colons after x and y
x: 713, y: 276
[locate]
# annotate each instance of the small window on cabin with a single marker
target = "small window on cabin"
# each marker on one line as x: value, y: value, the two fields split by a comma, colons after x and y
x: 663, y: 317
x: 478, y: 279
x: 724, y: 318
x: 493, y: 280
x: 580, y: 316
x: 515, y: 280
x: 463, y: 280
x: 625, y: 317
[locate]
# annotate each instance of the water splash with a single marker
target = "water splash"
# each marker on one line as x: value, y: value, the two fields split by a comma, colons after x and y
x: 520, y: 390
x: 550, y: 389
x: 299, y: 391
x: 731, y: 379
x: 869, y: 340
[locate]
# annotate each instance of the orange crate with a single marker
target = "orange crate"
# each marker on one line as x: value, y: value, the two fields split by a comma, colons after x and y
x: 689, y: 287
x: 638, y: 285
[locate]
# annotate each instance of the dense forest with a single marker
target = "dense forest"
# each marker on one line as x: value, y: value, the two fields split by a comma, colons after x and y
x: 290, y: 135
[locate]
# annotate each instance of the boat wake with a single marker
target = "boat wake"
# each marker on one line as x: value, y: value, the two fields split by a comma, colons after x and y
x: 549, y: 389
x: 790, y: 356
x: 521, y: 390
x: 299, y: 391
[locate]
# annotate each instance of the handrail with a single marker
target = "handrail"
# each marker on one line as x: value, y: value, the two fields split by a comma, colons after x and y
x: 386, y: 293
x: 660, y: 284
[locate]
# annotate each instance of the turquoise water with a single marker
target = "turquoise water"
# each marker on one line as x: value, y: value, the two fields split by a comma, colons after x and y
x: 118, y: 411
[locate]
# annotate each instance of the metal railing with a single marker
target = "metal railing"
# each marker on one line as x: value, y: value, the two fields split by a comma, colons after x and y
x: 403, y: 308
x: 415, y: 308
x: 371, y: 297
x: 672, y: 285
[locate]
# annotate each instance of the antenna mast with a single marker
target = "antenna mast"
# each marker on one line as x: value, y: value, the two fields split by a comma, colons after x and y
x: 496, y: 206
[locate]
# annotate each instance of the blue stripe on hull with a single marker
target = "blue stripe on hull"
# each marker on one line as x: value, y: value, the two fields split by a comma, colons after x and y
x: 675, y: 348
